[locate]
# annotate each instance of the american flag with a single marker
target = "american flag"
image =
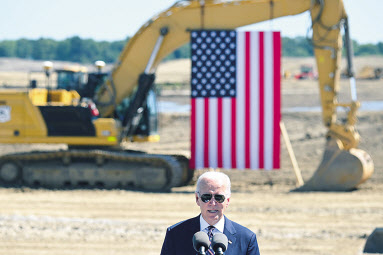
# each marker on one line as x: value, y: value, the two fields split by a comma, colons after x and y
x: 235, y: 99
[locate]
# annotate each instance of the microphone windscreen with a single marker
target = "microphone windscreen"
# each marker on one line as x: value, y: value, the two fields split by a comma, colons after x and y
x: 200, y: 239
x: 219, y: 241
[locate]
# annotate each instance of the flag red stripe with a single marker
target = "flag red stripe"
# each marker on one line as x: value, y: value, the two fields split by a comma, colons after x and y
x: 247, y: 99
x: 193, y: 135
x: 261, y: 100
x: 277, y: 98
x: 206, y: 133
x: 219, y: 133
x: 233, y: 133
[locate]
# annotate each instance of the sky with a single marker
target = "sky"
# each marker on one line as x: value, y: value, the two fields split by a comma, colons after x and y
x: 117, y: 19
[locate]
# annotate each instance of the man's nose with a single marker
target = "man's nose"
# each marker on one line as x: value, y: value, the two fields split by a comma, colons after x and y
x: 213, y: 201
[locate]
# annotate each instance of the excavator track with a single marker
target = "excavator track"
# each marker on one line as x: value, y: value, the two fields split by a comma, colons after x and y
x: 74, y: 168
x: 187, y: 173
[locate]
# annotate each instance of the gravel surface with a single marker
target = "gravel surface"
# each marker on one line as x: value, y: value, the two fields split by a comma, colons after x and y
x: 43, y: 221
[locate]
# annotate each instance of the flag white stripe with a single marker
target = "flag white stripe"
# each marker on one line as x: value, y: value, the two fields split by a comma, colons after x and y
x: 199, y: 113
x: 226, y: 132
x: 254, y: 102
x: 240, y: 108
x: 269, y: 92
x: 213, y: 134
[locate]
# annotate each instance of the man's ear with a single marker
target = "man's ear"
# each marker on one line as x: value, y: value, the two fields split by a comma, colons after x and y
x: 197, y: 199
x: 228, y: 201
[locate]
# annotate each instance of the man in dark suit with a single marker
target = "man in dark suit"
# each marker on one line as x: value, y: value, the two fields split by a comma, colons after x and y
x: 213, y: 197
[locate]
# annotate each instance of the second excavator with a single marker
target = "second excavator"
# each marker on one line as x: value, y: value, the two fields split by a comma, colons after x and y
x: 127, y: 109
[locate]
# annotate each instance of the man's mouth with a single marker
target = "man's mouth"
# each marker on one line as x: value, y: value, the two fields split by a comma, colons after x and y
x: 212, y: 211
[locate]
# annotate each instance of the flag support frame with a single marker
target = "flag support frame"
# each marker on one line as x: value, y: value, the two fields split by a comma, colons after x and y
x: 286, y: 139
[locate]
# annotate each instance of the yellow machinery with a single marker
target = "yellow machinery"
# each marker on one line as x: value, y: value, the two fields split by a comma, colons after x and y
x: 126, y: 106
x: 370, y: 73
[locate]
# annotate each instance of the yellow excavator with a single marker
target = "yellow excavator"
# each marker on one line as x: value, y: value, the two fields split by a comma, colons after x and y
x: 126, y: 106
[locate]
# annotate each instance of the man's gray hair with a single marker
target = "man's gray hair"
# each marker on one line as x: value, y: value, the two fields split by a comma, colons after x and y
x: 215, y: 176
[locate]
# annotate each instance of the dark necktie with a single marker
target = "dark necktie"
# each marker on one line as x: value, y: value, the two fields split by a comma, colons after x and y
x: 210, y: 235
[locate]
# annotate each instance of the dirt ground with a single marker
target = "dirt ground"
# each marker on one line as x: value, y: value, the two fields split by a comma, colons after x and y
x: 41, y: 221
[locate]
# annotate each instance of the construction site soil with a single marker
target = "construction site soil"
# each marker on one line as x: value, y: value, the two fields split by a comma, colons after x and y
x: 97, y: 221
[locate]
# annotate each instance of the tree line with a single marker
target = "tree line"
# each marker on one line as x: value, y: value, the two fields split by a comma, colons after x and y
x: 76, y: 49
x: 72, y: 49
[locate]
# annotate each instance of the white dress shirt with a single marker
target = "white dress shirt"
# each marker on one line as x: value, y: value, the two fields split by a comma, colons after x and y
x: 219, y: 226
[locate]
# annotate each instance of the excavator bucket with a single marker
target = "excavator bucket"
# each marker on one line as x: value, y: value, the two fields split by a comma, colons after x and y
x: 340, y: 170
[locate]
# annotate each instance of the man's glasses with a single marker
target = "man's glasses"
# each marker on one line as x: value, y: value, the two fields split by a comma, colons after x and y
x: 207, y: 197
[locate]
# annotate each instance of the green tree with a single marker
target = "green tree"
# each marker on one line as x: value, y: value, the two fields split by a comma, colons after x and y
x: 24, y: 48
x: 112, y: 50
x: 75, y: 49
x: 44, y: 49
x: 8, y: 48
x: 380, y: 48
x: 296, y: 47
x: 62, y: 50
x: 90, y: 50
x: 87, y: 50
x: 367, y: 49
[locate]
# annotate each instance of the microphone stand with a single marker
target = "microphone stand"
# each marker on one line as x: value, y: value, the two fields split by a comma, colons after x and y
x: 201, y: 251
x: 219, y: 251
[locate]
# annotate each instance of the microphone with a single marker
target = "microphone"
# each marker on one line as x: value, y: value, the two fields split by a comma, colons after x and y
x: 201, y: 242
x: 219, y: 243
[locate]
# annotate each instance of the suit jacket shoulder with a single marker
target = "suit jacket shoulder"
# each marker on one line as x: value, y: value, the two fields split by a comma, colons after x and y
x: 185, y: 223
x: 179, y: 237
x: 241, y: 239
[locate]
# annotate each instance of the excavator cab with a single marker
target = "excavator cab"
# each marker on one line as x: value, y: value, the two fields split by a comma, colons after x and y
x: 81, y: 81
x: 144, y: 127
x: 77, y: 79
x: 94, y: 81
x: 147, y: 129
x: 71, y: 78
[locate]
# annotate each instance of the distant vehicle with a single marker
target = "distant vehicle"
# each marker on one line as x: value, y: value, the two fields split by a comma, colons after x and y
x: 306, y: 72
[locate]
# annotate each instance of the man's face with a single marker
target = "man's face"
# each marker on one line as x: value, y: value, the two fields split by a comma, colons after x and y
x: 212, y: 211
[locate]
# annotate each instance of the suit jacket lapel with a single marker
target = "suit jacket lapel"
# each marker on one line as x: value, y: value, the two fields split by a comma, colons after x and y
x: 186, y: 246
x: 230, y: 232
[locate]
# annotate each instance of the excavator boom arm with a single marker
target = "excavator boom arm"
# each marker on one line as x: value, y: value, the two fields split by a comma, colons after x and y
x: 179, y: 19
x: 343, y: 166
x: 184, y: 16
